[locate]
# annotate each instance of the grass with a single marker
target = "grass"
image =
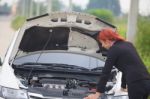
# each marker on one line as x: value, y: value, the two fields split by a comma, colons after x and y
x: 143, y: 40
x: 17, y: 22
x: 121, y: 25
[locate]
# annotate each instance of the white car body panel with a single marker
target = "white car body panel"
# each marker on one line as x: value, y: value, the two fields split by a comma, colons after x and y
x: 7, y: 77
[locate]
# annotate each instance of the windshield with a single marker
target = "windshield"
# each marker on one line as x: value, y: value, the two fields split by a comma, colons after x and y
x: 61, y: 58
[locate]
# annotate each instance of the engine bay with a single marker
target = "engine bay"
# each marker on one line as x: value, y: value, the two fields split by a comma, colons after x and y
x: 60, y: 85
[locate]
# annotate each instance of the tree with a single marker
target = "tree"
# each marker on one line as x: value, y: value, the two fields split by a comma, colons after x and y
x: 77, y: 8
x: 112, y: 5
x: 24, y: 7
x: 104, y: 14
x: 56, y: 5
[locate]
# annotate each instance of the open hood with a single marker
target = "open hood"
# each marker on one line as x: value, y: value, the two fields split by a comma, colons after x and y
x: 58, y: 38
x: 61, y: 32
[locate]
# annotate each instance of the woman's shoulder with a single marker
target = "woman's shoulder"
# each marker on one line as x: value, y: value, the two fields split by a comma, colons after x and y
x: 122, y: 43
x: 124, y: 46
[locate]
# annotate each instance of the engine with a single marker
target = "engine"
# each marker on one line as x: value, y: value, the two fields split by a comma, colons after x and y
x: 60, y: 87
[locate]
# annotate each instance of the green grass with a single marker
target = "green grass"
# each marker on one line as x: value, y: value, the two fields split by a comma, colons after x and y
x: 143, y: 40
x: 121, y: 25
x: 17, y: 22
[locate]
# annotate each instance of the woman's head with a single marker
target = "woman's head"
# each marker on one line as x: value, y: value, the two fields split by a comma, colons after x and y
x: 107, y: 36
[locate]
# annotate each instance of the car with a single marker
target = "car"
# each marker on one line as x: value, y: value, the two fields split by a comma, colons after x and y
x: 57, y: 56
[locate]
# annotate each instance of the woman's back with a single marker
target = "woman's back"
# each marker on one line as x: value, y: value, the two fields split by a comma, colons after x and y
x: 129, y: 62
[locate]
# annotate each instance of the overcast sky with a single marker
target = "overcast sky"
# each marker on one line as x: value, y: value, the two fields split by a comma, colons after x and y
x: 144, y: 6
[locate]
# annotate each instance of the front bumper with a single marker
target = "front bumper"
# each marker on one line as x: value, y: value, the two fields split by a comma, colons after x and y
x: 102, y: 97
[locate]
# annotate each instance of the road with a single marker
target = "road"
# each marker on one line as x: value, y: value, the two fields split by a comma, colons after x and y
x: 6, y: 34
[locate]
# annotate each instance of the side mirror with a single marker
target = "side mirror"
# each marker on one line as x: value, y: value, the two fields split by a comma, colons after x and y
x: 0, y: 62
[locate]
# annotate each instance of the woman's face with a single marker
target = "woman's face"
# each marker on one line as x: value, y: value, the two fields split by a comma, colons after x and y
x: 106, y: 44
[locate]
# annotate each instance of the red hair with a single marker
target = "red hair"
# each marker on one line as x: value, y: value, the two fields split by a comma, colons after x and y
x: 109, y: 34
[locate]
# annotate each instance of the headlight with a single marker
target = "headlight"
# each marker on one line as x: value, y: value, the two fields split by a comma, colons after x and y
x: 10, y: 93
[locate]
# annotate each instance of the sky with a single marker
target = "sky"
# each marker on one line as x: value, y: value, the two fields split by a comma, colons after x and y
x: 144, y: 7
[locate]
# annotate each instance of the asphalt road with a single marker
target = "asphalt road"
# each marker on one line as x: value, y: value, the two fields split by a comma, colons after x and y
x: 6, y: 34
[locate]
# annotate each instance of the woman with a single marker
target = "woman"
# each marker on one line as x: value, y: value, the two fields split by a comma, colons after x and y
x: 123, y: 56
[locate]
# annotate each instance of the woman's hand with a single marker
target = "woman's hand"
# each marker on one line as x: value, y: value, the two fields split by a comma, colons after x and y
x: 93, y: 96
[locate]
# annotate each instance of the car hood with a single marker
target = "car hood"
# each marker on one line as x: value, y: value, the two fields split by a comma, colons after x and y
x: 70, y: 32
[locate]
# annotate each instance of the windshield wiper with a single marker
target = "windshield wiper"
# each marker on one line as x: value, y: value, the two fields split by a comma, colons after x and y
x: 100, y: 69
x: 53, y: 66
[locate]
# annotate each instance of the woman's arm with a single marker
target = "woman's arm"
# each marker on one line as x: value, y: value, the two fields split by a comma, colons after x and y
x: 123, y: 83
x: 110, y: 62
